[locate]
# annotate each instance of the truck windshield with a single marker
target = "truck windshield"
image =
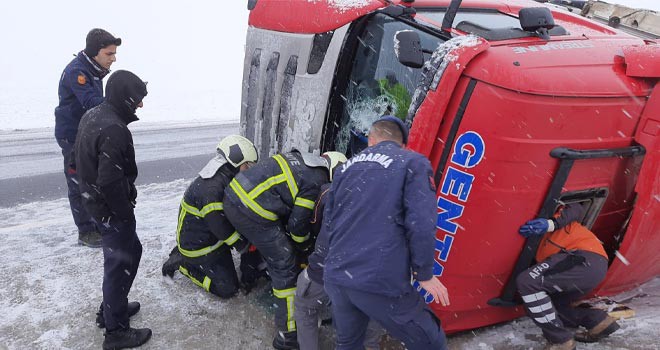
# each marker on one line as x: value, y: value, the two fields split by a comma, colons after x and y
x: 378, y: 84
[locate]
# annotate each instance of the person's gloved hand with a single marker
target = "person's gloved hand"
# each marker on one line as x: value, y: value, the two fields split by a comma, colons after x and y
x: 536, y: 227
x: 241, y: 246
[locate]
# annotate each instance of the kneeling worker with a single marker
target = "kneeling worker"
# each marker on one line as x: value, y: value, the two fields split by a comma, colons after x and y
x: 571, y: 262
x: 204, y: 235
x: 271, y: 205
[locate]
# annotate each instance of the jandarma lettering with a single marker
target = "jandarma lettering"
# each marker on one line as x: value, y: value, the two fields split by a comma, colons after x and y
x: 384, y: 160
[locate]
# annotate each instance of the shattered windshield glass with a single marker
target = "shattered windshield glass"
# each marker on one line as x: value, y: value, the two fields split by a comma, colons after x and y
x: 379, y: 84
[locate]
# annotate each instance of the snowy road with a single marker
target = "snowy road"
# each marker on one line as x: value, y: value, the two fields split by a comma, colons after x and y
x: 32, y: 161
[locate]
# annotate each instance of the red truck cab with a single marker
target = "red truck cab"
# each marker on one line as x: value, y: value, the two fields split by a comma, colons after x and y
x: 514, y: 117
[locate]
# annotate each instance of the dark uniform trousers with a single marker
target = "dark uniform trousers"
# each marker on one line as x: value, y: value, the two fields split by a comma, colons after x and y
x: 550, y: 287
x: 80, y: 216
x: 278, y: 253
x: 122, y: 252
x: 405, y: 317
x: 215, y: 273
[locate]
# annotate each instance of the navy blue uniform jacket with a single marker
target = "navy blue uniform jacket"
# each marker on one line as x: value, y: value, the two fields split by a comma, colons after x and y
x: 380, y: 221
x: 81, y: 89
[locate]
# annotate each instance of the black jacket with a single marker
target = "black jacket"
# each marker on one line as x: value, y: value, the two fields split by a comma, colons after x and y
x: 202, y: 222
x: 105, y: 157
x: 280, y: 188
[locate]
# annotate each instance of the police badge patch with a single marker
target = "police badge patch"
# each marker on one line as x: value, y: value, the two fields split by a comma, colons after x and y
x: 82, y: 80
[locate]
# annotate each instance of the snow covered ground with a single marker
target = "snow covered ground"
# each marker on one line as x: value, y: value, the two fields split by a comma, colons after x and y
x: 51, y: 288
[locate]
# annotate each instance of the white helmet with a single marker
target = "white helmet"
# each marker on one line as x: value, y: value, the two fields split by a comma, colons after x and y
x: 237, y: 150
x: 333, y: 159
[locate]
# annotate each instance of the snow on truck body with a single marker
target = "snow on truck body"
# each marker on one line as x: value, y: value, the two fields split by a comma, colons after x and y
x: 511, y: 122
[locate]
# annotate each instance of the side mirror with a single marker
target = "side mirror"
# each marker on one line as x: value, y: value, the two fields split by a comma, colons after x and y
x: 408, y: 49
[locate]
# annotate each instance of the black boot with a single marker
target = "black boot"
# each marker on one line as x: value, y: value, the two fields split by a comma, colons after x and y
x: 132, y: 309
x: 124, y: 338
x: 286, y: 340
x: 173, y: 262
x: 90, y: 239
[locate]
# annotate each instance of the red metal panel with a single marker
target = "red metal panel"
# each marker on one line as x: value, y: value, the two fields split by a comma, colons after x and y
x: 642, y: 61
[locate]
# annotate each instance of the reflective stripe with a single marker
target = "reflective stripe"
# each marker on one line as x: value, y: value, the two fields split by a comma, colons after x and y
x: 287, y: 294
x: 534, y: 297
x: 270, y: 182
x: 207, y: 281
x: 189, y: 209
x: 254, y: 206
x: 545, y: 319
x: 539, y: 309
x: 299, y: 239
x: 293, y: 187
x: 305, y: 203
x: 233, y: 238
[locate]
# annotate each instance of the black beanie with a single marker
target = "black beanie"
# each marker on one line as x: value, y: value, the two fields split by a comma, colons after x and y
x: 97, y: 39
x: 125, y: 91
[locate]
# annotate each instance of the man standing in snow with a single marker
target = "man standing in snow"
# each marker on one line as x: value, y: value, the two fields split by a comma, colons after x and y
x: 204, y: 236
x: 379, y: 223
x: 80, y: 89
x: 271, y: 205
x: 105, y: 159
x: 571, y: 262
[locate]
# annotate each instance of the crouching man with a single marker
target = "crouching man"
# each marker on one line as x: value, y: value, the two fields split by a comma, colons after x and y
x: 204, y: 236
x: 571, y: 262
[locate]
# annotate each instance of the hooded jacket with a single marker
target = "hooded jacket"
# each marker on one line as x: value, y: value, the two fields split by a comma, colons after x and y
x: 80, y: 89
x: 105, y: 157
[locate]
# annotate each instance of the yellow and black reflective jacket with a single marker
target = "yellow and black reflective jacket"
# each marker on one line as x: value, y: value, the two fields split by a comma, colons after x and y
x: 280, y: 188
x: 202, y: 226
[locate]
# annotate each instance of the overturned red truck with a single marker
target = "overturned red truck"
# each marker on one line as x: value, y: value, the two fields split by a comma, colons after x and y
x: 519, y: 107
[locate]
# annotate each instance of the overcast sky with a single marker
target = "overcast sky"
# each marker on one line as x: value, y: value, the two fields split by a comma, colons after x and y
x: 190, y: 52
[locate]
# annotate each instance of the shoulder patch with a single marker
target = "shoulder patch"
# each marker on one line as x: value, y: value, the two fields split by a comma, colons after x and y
x: 82, y: 80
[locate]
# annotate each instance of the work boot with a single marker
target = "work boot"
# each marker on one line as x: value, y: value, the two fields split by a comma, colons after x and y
x: 124, y: 338
x: 600, y: 331
x: 567, y: 345
x: 90, y: 239
x: 286, y: 340
x: 132, y: 309
x: 173, y: 262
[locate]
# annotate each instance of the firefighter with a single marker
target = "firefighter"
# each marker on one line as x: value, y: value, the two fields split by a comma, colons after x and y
x: 80, y: 89
x: 105, y: 160
x: 271, y: 205
x: 571, y: 262
x: 204, y: 236
x: 311, y: 299
x: 379, y: 222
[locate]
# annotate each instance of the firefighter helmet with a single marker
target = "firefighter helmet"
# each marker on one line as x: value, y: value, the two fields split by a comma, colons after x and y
x: 237, y: 150
x: 334, y: 159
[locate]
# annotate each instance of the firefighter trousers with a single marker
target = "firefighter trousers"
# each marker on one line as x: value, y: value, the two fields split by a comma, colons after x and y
x: 405, y: 317
x: 550, y: 287
x: 122, y: 252
x: 277, y: 251
x: 215, y: 273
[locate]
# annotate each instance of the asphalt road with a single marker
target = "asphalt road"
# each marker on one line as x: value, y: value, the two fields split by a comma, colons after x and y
x: 32, y: 163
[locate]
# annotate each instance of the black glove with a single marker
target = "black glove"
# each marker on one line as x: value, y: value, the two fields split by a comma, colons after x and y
x: 173, y: 262
x: 251, y: 261
x: 241, y: 246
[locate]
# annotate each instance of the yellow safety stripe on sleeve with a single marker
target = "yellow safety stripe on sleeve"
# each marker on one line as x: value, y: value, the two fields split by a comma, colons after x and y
x: 254, y: 206
x: 305, y: 203
x: 299, y: 239
x: 270, y: 182
x: 207, y: 281
x: 287, y: 294
x: 189, y: 209
x: 233, y: 238
x: 291, y: 182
